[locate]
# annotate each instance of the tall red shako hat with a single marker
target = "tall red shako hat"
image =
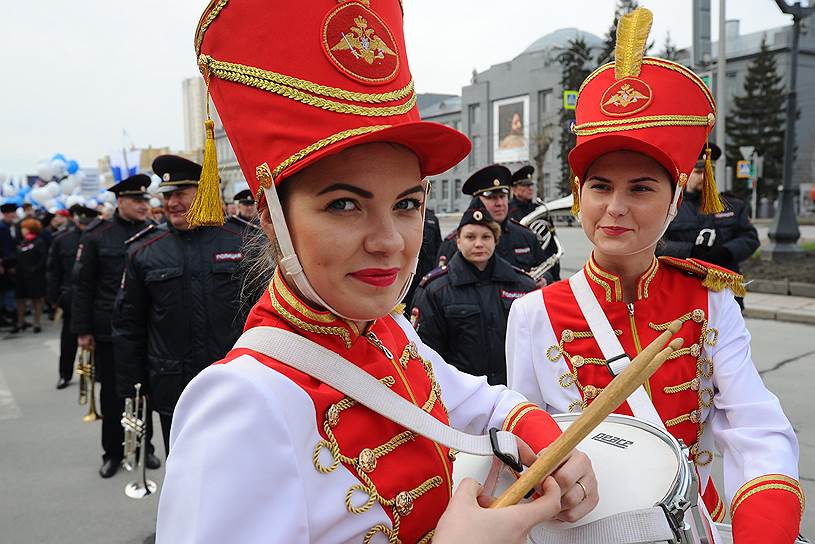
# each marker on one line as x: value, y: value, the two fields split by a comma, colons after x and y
x: 649, y: 105
x: 294, y: 82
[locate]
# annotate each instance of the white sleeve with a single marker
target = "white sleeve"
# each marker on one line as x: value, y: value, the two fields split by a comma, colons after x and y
x: 748, y: 424
x: 521, y: 355
x: 231, y: 474
x: 474, y: 406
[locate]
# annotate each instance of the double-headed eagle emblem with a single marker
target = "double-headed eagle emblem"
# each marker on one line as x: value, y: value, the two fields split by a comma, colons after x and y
x: 363, y: 42
x: 625, y: 96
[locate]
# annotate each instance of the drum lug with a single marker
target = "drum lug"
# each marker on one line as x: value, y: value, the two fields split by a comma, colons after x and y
x: 675, y: 514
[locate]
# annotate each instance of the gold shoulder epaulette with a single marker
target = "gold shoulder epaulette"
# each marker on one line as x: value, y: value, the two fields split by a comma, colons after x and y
x: 400, y: 309
x: 713, y: 277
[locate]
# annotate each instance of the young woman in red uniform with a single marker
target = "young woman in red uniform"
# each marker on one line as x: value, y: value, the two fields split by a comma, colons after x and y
x: 640, y: 122
x: 318, y: 102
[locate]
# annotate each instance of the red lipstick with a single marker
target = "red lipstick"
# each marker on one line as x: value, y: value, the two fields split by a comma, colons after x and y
x: 378, y: 277
x: 615, y: 231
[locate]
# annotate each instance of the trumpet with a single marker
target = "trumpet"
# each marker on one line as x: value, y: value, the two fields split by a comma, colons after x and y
x: 542, y: 225
x: 86, y: 369
x: 134, y: 421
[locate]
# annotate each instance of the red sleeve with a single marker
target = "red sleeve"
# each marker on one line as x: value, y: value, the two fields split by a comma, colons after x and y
x: 767, y: 510
x: 532, y: 425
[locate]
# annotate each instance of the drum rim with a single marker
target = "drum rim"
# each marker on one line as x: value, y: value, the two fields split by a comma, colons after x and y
x: 681, y: 484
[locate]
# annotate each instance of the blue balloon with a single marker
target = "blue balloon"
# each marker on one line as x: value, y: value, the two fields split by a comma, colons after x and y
x: 73, y: 167
x: 58, y: 157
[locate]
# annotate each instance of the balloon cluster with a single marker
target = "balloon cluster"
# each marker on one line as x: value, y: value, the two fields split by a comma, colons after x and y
x: 60, y: 187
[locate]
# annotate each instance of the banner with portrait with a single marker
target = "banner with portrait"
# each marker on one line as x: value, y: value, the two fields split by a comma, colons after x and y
x: 510, y: 122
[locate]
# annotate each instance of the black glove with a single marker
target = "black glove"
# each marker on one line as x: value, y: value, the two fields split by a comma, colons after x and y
x: 718, y: 255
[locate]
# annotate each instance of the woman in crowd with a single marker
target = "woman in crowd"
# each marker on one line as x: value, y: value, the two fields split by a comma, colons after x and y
x: 32, y: 254
x: 640, y: 124
x: 324, y: 123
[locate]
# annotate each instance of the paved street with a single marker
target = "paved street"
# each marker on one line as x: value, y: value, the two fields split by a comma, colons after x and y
x: 51, y: 492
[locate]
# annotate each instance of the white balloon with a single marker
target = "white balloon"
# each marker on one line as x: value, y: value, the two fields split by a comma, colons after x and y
x: 58, y: 168
x: 153, y: 187
x: 73, y: 200
x: 39, y: 194
x: 154, y: 178
x: 50, y: 203
x: 155, y: 203
x: 53, y: 188
x: 44, y: 171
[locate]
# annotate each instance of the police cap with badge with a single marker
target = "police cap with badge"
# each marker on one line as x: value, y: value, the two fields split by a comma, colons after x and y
x: 523, y: 176
x: 475, y: 216
x: 83, y: 214
x: 132, y: 187
x: 489, y: 181
x: 176, y: 173
x: 244, y: 197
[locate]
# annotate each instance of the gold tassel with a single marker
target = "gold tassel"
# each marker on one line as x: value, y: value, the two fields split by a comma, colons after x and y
x: 632, y: 38
x: 575, y: 196
x: 716, y: 280
x: 710, y: 201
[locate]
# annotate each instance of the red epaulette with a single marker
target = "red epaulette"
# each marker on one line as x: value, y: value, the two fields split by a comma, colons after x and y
x: 713, y: 277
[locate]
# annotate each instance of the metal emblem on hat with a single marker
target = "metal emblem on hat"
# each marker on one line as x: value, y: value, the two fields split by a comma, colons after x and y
x: 360, y: 44
x: 166, y: 176
x: 478, y: 216
x: 626, y: 96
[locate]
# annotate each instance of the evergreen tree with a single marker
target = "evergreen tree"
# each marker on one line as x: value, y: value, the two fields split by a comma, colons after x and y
x: 757, y: 118
x: 610, y: 40
x: 669, y: 49
x: 575, y: 61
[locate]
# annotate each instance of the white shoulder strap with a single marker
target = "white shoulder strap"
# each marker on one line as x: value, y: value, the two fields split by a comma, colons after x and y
x: 640, y: 403
x: 344, y: 376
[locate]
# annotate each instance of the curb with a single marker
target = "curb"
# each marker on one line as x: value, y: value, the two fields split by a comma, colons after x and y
x: 780, y: 315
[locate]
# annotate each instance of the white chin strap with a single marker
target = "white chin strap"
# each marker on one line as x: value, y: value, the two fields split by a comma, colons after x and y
x: 672, y: 211
x: 294, y: 270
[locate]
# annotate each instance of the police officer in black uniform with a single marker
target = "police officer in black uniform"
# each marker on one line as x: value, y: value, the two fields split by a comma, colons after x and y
x: 60, y: 265
x: 518, y: 245
x: 431, y: 241
x: 97, y: 274
x: 247, y: 209
x: 724, y: 239
x: 461, y: 310
x: 523, y: 200
x: 178, y: 309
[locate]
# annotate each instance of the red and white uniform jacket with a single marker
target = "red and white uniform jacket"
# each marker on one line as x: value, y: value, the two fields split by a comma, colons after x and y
x: 709, y: 394
x: 262, y: 453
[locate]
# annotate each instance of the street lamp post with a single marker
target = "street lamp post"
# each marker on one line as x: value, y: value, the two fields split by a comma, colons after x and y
x: 784, y: 232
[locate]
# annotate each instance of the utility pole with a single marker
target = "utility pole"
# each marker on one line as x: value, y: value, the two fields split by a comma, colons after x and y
x: 721, y: 97
x: 784, y: 232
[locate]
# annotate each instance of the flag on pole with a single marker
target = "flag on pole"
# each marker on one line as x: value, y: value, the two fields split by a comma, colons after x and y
x: 124, y: 163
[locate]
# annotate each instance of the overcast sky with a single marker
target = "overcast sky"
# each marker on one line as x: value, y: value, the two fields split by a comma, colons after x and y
x: 76, y: 73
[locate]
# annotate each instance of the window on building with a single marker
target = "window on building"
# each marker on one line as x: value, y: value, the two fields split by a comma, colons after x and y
x: 474, y: 114
x: 458, y: 189
x: 473, y: 159
x: 456, y: 124
x: 445, y: 190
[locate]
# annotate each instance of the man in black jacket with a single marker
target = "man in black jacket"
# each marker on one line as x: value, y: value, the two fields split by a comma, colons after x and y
x: 178, y: 309
x: 97, y: 273
x: 61, y: 259
x: 431, y: 241
x: 461, y: 310
x: 724, y: 239
x: 518, y: 245
x: 523, y: 200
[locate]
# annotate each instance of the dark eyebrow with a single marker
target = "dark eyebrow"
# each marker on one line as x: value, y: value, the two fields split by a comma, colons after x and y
x: 635, y: 180
x: 345, y: 187
x: 416, y: 189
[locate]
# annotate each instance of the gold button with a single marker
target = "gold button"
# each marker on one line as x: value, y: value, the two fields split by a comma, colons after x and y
x: 567, y: 335
x: 698, y: 315
x: 694, y: 384
x: 694, y: 416
x: 451, y: 454
x: 695, y: 350
x: 367, y: 460
x: 403, y: 503
x: 694, y: 449
x: 333, y: 415
x: 590, y: 391
x: 578, y: 361
x: 704, y: 457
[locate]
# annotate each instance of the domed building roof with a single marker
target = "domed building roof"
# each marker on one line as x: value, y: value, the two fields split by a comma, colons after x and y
x: 560, y: 39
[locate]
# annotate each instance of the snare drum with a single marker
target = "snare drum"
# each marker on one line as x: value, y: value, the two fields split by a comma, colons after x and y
x: 644, y: 479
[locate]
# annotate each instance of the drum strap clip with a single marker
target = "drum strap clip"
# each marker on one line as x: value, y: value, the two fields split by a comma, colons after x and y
x: 508, y: 460
x: 613, y: 369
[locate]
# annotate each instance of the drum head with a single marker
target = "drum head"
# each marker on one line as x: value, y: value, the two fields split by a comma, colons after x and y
x: 636, y: 464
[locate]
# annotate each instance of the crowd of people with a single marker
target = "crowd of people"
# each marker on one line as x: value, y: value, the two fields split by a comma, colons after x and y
x: 331, y: 251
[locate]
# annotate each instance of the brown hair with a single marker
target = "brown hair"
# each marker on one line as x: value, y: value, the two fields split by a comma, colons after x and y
x: 494, y: 227
x: 32, y: 225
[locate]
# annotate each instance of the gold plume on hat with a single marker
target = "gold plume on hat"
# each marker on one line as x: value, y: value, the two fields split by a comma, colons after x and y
x: 632, y: 37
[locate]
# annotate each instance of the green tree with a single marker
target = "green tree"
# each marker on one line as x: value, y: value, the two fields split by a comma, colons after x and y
x: 610, y: 39
x: 575, y: 61
x: 757, y: 118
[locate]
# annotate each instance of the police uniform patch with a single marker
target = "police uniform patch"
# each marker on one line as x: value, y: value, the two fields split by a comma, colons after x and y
x: 228, y: 257
x: 511, y: 295
x: 522, y: 250
x: 360, y: 44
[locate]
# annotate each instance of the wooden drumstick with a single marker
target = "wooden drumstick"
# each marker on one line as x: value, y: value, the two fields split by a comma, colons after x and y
x: 620, y: 388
